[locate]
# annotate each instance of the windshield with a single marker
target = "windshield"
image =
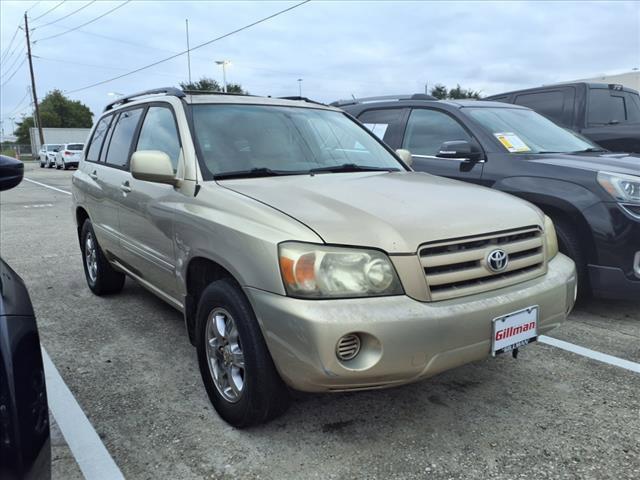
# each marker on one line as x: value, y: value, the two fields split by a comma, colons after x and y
x: 51, y: 148
x: 525, y: 131
x: 284, y: 140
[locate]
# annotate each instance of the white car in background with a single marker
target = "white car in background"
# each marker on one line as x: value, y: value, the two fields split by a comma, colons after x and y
x: 47, y: 155
x: 68, y: 155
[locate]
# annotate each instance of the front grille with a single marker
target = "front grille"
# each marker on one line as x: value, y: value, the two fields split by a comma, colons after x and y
x: 460, y: 267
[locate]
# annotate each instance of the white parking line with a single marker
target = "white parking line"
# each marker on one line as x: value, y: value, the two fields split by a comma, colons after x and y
x: 46, y: 186
x: 585, y: 352
x: 85, y: 444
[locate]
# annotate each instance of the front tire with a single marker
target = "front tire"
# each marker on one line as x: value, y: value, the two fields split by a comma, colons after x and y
x: 236, y: 367
x: 101, y: 277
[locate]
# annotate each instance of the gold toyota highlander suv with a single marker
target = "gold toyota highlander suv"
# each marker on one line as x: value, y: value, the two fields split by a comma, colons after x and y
x: 305, y: 253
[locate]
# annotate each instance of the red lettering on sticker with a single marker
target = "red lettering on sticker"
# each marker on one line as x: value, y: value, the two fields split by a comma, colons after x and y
x: 512, y: 331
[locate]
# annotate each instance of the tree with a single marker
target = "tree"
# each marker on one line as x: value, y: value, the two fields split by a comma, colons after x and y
x: 440, y: 92
x: 210, y: 85
x: 56, y: 111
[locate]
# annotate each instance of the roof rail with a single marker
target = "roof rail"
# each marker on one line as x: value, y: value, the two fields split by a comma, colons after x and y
x: 302, y: 99
x: 215, y: 92
x: 172, y: 91
x: 415, y: 96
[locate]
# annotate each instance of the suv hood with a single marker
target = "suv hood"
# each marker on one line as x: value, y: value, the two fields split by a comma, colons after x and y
x: 395, y: 211
x: 609, y: 162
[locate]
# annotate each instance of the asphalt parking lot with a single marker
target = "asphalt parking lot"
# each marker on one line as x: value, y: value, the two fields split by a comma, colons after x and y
x: 127, y: 360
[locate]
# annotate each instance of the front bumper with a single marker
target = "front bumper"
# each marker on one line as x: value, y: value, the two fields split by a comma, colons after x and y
x: 403, y: 339
x: 613, y: 284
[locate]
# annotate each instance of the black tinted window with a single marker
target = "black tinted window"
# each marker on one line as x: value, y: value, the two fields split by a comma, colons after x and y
x: 120, y: 144
x: 428, y: 129
x: 75, y: 146
x: 159, y: 132
x: 383, y: 123
x: 605, y: 107
x: 549, y: 104
x: 98, y: 138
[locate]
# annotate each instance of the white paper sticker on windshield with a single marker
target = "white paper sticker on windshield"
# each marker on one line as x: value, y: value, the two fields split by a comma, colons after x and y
x: 512, y: 142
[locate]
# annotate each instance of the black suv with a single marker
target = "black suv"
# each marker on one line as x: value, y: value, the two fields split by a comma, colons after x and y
x: 606, y: 113
x: 592, y: 195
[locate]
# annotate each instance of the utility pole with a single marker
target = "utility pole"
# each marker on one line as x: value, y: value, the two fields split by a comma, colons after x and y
x: 186, y: 21
x: 33, y: 81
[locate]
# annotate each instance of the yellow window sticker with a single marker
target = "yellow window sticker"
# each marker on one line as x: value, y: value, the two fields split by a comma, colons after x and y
x: 512, y: 142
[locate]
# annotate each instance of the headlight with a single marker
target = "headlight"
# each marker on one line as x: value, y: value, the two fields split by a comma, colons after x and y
x: 552, y: 239
x: 319, y: 271
x: 623, y: 188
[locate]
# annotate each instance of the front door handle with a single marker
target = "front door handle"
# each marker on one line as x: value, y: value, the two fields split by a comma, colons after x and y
x: 93, y: 175
x: 125, y: 187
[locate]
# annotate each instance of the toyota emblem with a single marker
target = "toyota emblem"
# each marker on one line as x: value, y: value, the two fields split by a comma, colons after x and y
x: 497, y: 260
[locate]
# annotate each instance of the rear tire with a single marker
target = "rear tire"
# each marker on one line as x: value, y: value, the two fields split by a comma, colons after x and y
x: 242, y: 396
x: 569, y: 244
x: 101, y: 277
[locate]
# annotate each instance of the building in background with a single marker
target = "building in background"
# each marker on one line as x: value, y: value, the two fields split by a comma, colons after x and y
x: 57, y: 135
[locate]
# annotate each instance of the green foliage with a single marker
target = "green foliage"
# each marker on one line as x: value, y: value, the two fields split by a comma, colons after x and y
x: 210, y: 85
x: 441, y: 93
x: 56, y: 111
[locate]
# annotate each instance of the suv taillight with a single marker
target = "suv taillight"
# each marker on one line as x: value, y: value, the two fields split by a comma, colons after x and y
x: 67, y: 153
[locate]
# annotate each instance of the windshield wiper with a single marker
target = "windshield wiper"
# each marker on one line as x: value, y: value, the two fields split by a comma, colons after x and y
x: 590, y: 149
x: 351, y: 167
x: 255, y: 173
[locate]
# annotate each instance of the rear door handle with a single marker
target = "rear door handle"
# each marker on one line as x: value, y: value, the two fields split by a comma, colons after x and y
x: 94, y: 175
x: 125, y: 187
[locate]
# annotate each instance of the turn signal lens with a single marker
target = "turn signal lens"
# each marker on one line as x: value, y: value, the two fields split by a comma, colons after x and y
x: 552, y: 238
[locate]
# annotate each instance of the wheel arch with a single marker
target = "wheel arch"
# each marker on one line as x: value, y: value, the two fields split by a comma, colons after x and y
x: 199, y: 273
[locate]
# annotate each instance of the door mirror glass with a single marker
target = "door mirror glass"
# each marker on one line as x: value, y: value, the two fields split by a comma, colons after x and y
x: 11, y: 172
x: 152, y: 166
x: 405, y: 156
x: 460, y: 149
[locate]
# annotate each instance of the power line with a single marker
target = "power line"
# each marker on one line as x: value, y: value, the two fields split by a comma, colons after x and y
x: 28, y: 9
x: 4, y: 54
x: 84, y: 24
x: 93, y: 65
x: 15, y: 71
x: 48, y: 11
x: 13, y: 64
x: 66, y: 16
x: 193, y: 48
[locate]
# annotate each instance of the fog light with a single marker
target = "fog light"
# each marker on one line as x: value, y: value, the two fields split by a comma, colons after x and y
x: 348, y: 347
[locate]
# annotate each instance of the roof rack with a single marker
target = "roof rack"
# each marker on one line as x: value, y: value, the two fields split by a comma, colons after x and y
x: 214, y: 92
x: 301, y: 99
x: 174, y: 92
x: 353, y: 101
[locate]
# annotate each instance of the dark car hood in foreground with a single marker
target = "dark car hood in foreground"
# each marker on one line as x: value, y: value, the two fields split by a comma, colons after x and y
x: 608, y: 162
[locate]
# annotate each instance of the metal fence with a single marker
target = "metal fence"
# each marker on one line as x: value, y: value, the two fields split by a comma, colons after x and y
x: 21, y: 151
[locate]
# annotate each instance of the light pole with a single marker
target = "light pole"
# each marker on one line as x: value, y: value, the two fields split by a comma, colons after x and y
x: 13, y: 126
x: 300, y: 87
x: 224, y: 64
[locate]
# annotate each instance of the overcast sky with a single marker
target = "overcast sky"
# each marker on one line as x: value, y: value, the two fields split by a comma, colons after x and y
x: 339, y: 49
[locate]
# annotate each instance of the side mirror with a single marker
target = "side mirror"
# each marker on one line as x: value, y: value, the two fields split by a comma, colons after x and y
x: 11, y: 172
x: 405, y: 156
x: 460, y: 149
x: 152, y: 166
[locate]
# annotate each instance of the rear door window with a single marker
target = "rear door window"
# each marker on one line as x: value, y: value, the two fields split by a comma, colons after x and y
x: 550, y: 103
x: 606, y: 107
x: 122, y: 137
x: 159, y: 132
x: 386, y: 123
x: 95, y: 144
x: 428, y: 129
